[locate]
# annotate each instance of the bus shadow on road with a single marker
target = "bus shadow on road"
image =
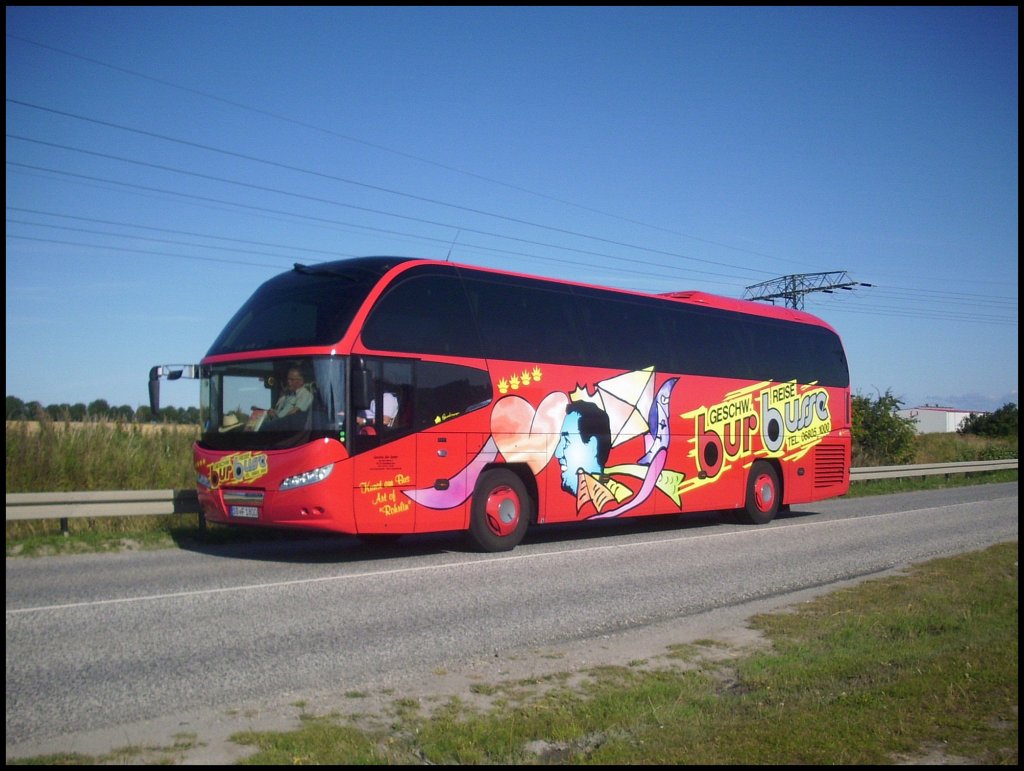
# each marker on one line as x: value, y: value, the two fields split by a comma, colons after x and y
x: 312, y: 548
x: 323, y: 548
x: 589, y: 530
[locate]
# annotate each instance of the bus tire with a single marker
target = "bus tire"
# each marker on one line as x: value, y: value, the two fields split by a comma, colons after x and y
x: 763, y: 494
x: 501, y: 511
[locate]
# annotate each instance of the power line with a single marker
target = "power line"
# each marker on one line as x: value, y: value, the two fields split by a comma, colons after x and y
x: 631, y: 261
x: 934, y: 315
x: 384, y: 148
x: 122, y: 250
x: 377, y: 188
x: 344, y: 180
x: 437, y: 240
x: 341, y: 180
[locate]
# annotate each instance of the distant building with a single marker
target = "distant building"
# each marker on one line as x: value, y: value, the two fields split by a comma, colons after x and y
x: 936, y: 420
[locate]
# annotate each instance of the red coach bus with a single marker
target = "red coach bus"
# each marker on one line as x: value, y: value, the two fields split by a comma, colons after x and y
x: 385, y: 395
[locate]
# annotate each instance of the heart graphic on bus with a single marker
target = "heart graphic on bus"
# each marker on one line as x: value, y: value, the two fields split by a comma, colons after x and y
x: 526, y: 435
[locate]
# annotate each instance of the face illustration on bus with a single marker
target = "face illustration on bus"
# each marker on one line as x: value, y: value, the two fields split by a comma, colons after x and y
x: 584, y: 445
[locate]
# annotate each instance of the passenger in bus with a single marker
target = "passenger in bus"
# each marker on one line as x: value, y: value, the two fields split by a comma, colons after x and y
x: 367, y: 419
x: 297, y: 397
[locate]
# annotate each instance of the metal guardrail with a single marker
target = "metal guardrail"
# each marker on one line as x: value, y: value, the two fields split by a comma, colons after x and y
x: 124, y: 503
x: 928, y: 469
x: 117, y: 503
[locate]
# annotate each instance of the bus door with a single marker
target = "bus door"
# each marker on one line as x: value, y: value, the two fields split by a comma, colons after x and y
x: 427, y: 441
x: 384, y: 450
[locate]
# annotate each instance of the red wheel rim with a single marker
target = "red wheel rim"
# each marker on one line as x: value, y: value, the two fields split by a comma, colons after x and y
x: 503, y: 510
x: 764, y: 492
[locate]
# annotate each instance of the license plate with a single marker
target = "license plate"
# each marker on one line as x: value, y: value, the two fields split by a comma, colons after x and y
x: 245, y: 512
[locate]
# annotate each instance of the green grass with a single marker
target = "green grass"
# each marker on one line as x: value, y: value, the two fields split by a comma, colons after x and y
x: 122, y: 756
x: 950, y: 448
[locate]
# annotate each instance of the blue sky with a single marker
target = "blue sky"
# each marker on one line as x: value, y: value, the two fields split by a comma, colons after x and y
x: 164, y: 162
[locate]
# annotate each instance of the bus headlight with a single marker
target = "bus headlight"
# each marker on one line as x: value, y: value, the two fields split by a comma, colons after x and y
x: 307, y: 477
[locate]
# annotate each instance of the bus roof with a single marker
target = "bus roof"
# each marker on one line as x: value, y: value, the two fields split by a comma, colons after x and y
x: 690, y: 297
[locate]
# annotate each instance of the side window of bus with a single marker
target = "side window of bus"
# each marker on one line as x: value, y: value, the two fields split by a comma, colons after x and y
x: 425, y: 311
x: 525, y: 320
x: 396, y: 396
x: 446, y: 391
x: 391, y: 411
x: 622, y: 333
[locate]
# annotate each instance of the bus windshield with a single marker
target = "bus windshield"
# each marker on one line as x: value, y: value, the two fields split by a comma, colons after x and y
x: 308, y: 306
x: 272, y: 403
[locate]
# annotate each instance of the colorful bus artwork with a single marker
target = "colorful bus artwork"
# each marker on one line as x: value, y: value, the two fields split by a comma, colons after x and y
x: 383, y: 395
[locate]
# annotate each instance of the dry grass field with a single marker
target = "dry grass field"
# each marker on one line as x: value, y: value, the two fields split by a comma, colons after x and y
x: 58, y: 456
x: 33, y: 426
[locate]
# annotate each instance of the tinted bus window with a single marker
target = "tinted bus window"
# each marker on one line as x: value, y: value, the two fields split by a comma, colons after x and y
x: 623, y: 332
x: 718, y: 343
x: 695, y: 343
x: 424, y: 311
x: 301, y: 308
x: 524, y: 320
x: 446, y: 391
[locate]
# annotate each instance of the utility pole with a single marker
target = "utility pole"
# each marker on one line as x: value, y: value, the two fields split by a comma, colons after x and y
x: 793, y: 288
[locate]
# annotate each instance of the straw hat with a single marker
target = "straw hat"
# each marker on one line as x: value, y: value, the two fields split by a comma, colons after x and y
x: 231, y: 422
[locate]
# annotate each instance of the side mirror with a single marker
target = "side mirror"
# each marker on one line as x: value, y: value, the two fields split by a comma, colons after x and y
x: 362, y: 388
x: 154, y: 392
x: 171, y: 372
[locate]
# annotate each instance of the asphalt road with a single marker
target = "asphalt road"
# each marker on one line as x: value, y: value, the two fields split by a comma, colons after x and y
x: 109, y: 650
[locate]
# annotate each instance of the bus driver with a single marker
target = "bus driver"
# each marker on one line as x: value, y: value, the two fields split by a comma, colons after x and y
x: 297, y: 396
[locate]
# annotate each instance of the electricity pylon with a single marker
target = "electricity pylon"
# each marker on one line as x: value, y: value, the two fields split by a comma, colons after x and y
x: 793, y: 288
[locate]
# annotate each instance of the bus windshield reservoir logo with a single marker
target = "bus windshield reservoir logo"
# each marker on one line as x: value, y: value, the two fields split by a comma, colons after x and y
x: 238, y: 468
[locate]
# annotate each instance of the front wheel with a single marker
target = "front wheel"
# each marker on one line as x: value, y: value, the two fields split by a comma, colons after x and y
x: 763, y: 493
x: 501, y: 511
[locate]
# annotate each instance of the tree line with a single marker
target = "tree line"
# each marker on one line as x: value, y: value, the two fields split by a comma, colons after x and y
x: 884, y: 438
x: 98, y: 410
x: 1002, y: 422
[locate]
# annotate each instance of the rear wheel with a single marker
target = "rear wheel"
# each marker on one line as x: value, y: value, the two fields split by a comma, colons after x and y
x: 763, y: 493
x: 501, y: 511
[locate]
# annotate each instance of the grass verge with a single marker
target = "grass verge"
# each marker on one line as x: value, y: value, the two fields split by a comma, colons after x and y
x: 912, y: 669
x: 920, y: 667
